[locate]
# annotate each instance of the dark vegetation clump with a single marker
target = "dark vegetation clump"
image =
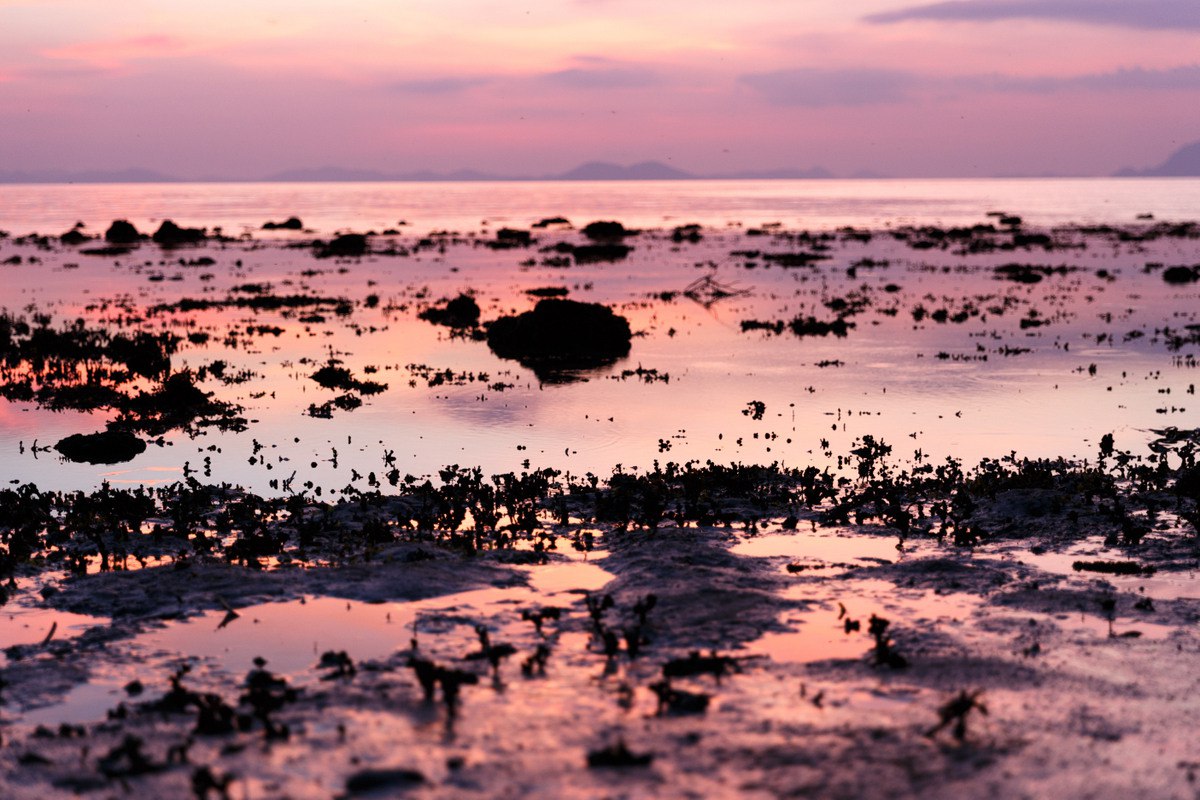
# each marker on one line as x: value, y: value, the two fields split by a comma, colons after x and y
x: 346, y: 245
x: 80, y: 368
x: 122, y: 231
x: 511, y: 237
x: 617, y: 755
x: 334, y: 376
x: 289, y: 224
x: 1029, y: 273
x: 1179, y: 276
x: 595, y: 253
x: 607, y: 231
x: 106, y: 447
x: 171, y: 235
x: 509, y: 511
x: 561, y: 335
x: 461, y: 312
x: 1113, y: 567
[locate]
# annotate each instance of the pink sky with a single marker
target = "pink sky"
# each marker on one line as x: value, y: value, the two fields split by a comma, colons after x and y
x: 977, y: 87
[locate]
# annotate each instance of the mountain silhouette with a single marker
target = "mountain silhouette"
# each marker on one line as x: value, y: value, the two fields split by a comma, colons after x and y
x: 604, y: 171
x: 1184, y: 162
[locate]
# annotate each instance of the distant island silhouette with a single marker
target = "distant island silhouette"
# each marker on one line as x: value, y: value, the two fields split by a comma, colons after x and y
x: 1183, y: 163
x: 589, y: 171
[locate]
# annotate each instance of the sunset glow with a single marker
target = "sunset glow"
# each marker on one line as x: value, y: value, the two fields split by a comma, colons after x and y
x: 238, y: 90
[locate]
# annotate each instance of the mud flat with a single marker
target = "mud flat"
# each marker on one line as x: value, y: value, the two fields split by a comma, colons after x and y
x: 827, y: 593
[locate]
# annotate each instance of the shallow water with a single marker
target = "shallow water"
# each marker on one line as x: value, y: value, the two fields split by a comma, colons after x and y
x: 930, y: 389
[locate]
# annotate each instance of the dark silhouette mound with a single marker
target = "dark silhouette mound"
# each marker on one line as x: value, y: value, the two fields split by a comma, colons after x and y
x: 170, y: 235
x: 289, y: 224
x: 461, y: 312
x: 1179, y: 276
x: 106, y: 447
x: 122, y: 231
x: 346, y: 245
x: 607, y: 231
x: 561, y: 336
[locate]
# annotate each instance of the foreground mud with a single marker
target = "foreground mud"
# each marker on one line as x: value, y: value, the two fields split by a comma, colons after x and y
x: 769, y: 656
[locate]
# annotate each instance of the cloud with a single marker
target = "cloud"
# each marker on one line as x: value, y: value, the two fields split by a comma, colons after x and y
x: 435, y: 86
x: 602, y: 77
x: 1139, y: 14
x: 1135, y: 79
x: 113, y: 53
x: 819, y: 88
x: 824, y: 88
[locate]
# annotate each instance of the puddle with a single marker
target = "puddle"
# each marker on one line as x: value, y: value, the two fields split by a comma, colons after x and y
x: 821, y: 548
x: 819, y: 634
x: 20, y: 625
x: 292, y: 635
x: 1159, y: 586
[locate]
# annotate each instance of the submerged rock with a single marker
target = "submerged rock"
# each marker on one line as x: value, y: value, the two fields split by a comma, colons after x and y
x: 561, y: 335
x: 106, y: 447
x: 170, y: 234
x: 289, y: 224
x: 122, y: 231
x: 74, y: 237
x: 607, y: 231
x: 347, y: 245
x: 1179, y: 276
x: 377, y: 781
x: 461, y: 312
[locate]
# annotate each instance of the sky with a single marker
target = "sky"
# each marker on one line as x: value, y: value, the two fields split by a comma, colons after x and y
x: 896, y: 87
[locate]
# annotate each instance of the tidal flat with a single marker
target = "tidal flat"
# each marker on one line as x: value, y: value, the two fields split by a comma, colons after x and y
x: 577, y: 508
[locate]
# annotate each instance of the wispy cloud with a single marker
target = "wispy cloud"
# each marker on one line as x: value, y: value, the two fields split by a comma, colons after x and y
x: 112, y: 53
x: 823, y: 88
x: 1138, y: 14
x: 817, y: 88
x: 603, y: 77
x: 1136, y: 79
x: 443, y: 85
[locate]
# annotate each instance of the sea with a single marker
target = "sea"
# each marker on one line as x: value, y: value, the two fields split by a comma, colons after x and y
x: 947, y: 361
x: 464, y: 206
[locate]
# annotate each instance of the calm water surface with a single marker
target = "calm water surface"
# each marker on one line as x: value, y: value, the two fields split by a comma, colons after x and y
x: 816, y: 204
x: 984, y: 387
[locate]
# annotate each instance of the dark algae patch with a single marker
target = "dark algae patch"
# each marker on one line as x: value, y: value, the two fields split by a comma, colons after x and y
x: 106, y: 447
x: 559, y: 336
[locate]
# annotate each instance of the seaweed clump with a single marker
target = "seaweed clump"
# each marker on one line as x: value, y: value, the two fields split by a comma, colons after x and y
x: 105, y: 447
x: 559, y: 336
x: 461, y: 312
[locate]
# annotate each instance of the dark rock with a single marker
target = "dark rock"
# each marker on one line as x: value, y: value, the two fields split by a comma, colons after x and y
x: 606, y: 231
x: 347, y: 245
x: 514, y: 236
x: 1179, y: 276
x: 290, y: 224
x: 591, y: 253
x: 560, y: 335
x: 122, y: 232
x: 73, y: 237
x: 461, y: 312
x: 548, y: 221
x: 370, y: 781
x: 169, y: 234
x: 106, y: 447
x: 618, y: 755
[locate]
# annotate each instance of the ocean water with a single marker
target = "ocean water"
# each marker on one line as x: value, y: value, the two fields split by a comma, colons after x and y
x: 1093, y: 361
x: 804, y: 204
